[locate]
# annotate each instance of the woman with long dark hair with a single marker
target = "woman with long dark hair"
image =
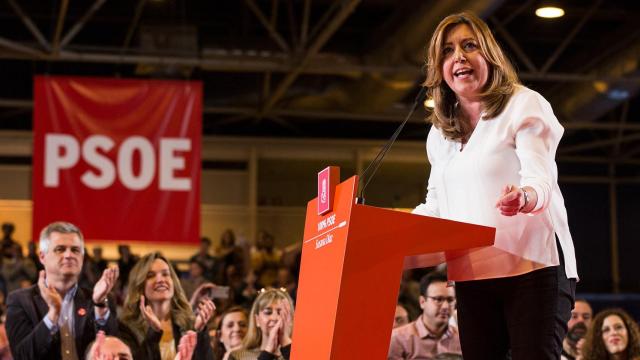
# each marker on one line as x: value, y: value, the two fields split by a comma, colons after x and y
x: 613, y: 335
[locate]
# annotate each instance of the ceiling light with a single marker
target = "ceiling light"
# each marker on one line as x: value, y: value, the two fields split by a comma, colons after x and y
x: 618, y: 94
x: 549, y: 12
x: 601, y: 86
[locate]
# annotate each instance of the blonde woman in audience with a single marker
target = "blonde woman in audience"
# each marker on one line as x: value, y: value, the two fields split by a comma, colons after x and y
x: 613, y: 335
x: 270, y: 328
x: 157, y: 313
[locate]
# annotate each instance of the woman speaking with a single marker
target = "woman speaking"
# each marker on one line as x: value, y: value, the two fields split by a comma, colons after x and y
x: 492, y: 152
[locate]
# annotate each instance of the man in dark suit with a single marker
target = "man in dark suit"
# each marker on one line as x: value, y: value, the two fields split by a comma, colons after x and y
x: 56, y: 319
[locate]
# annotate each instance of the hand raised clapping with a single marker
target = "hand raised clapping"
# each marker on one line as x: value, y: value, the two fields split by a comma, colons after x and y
x: 51, y: 297
x: 147, y: 312
x: 205, y: 310
x: 279, y: 335
x: 287, y: 324
x: 187, y: 346
x: 107, y: 281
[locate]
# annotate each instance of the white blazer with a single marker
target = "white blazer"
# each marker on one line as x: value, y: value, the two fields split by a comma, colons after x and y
x: 516, y: 147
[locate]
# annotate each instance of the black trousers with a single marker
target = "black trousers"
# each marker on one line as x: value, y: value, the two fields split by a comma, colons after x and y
x: 522, y: 316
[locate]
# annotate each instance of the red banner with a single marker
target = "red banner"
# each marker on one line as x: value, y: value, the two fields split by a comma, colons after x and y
x: 119, y: 158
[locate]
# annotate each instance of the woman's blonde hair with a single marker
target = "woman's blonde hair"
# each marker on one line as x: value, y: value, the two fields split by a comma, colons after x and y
x: 253, y: 339
x: 181, y: 313
x: 501, y: 82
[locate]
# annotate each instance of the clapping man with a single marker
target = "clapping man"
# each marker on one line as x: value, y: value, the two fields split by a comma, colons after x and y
x: 57, y: 319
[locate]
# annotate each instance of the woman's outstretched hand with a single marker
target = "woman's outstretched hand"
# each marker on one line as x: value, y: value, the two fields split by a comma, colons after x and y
x: 511, y: 200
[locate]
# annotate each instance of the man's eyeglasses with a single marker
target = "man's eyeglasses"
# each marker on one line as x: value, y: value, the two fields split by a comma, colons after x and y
x: 440, y: 299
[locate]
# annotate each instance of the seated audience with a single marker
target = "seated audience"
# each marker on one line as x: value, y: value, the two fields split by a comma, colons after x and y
x: 87, y: 276
x: 126, y: 261
x: 57, y: 319
x: 243, y: 288
x: 401, y: 317
x: 285, y: 281
x: 231, y: 330
x: 613, y: 335
x: 195, y: 277
x: 229, y: 253
x: 5, y: 349
x: 157, y: 313
x: 270, y: 328
x: 430, y: 334
x: 265, y: 259
x: 8, y: 242
x: 578, y: 325
x: 209, y: 262
x: 410, y: 293
x: 16, y: 269
x: 108, y: 348
x: 32, y: 255
x: 112, y: 348
x: 99, y: 262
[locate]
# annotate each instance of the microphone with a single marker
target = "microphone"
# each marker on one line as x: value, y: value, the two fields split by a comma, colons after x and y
x: 377, y: 161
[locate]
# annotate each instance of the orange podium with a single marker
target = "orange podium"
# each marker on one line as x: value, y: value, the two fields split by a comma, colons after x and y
x: 352, y: 261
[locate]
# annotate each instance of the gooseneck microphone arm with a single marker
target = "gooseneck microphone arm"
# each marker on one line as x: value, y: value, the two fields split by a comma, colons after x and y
x: 377, y: 161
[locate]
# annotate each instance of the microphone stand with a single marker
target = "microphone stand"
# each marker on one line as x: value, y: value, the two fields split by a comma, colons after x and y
x: 377, y: 161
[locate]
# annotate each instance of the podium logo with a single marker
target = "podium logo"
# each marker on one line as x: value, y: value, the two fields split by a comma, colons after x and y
x: 323, y: 191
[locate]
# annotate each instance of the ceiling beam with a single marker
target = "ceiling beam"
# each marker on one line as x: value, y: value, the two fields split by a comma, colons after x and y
x: 513, y: 44
x: 304, y: 27
x: 75, y: 29
x: 336, y: 115
x: 62, y: 14
x: 133, y: 25
x: 30, y: 25
x: 567, y: 39
x: 599, y: 180
x: 22, y: 49
x: 260, y: 61
x: 514, y: 13
x: 598, y: 143
x: 273, y: 33
x: 623, y: 120
x: 343, y: 13
x: 597, y: 160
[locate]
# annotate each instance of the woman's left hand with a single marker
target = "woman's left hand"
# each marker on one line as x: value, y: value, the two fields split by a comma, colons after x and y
x: 510, y: 201
x: 187, y: 346
x: 287, y: 324
x: 271, y: 345
x: 206, y: 308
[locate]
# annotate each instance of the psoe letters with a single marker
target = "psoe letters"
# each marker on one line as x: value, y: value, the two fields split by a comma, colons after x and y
x: 63, y: 152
